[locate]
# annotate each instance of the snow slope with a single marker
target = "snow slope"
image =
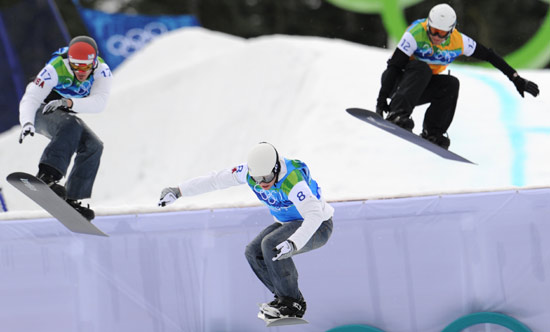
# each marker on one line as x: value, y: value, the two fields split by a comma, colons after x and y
x: 195, y: 100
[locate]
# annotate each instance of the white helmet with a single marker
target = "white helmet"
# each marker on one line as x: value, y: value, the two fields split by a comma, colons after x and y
x: 263, y: 161
x: 442, y: 17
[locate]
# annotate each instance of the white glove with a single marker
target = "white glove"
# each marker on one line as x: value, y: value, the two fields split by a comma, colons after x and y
x: 284, y: 250
x: 28, y: 128
x: 169, y: 195
x: 62, y: 104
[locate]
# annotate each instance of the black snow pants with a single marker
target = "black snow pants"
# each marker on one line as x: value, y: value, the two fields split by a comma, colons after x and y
x: 417, y: 86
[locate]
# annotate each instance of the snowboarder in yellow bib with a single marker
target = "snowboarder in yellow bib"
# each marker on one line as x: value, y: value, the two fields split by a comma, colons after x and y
x: 414, y: 75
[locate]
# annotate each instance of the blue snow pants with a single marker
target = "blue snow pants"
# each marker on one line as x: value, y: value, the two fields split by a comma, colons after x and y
x: 281, y: 276
x: 68, y: 135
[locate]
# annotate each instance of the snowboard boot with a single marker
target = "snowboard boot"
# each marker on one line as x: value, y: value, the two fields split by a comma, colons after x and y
x: 267, y: 305
x: 86, y: 212
x: 283, y: 307
x: 401, y: 119
x: 51, y: 177
x: 442, y: 139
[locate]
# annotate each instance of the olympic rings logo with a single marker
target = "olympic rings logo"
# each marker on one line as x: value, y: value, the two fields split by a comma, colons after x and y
x: 533, y: 54
x: 266, y: 195
x: 458, y: 325
x: 269, y: 197
x: 134, y: 39
x: 82, y: 90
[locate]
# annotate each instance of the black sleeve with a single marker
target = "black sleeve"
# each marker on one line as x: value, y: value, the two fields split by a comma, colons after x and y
x: 486, y: 54
x: 396, y: 64
x: 52, y: 96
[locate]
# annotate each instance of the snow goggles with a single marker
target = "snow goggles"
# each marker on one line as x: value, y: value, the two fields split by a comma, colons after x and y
x: 81, y: 67
x: 438, y: 32
x: 263, y: 179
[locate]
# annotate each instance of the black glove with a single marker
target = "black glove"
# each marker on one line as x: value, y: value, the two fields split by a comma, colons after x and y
x: 523, y: 85
x: 382, y: 106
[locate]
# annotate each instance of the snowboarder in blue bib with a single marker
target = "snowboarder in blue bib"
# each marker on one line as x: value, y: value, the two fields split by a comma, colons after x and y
x: 75, y: 80
x: 303, y: 220
x: 414, y: 74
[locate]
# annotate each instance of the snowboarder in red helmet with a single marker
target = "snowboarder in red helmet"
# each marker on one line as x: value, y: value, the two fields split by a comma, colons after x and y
x: 75, y: 80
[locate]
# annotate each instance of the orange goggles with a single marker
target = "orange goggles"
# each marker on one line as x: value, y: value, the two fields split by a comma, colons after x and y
x: 438, y: 33
x: 81, y: 67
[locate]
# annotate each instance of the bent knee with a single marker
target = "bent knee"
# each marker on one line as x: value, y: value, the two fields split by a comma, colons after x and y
x: 268, y: 245
x: 94, y: 145
x: 252, y: 251
x: 69, y: 126
x: 452, y: 85
x: 455, y: 83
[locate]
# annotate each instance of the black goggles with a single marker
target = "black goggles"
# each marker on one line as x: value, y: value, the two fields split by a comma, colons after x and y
x: 264, y: 179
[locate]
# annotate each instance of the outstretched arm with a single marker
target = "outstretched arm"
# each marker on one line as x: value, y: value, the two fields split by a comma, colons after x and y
x: 214, y: 181
x: 522, y: 85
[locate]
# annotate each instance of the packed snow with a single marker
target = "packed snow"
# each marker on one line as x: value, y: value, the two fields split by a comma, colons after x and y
x: 195, y: 101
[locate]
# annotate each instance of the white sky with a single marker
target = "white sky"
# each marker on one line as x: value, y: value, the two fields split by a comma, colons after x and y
x: 194, y: 101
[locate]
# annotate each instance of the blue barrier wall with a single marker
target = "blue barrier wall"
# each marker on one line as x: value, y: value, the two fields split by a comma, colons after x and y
x: 401, y: 265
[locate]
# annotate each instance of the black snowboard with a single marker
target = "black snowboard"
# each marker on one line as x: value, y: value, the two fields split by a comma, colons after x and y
x: 42, y: 195
x: 376, y: 120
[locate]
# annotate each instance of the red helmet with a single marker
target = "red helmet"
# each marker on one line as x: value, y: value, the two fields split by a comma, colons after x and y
x: 82, y: 50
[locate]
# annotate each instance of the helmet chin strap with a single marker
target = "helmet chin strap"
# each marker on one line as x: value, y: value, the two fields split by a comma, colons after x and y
x: 277, y: 166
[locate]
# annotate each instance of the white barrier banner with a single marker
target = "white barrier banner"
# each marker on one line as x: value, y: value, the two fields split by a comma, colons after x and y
x: 401, y: 265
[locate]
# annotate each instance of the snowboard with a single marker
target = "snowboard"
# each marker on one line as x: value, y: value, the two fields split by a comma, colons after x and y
x: 285, y: 321
x: 376, y: 120
x: 42, y: 195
